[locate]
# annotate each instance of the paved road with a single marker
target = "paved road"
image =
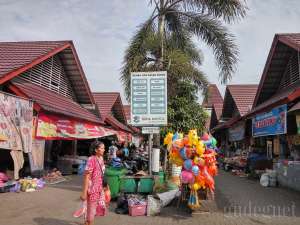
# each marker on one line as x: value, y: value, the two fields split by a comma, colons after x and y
x: 54, y: 205
x: 244, y: 196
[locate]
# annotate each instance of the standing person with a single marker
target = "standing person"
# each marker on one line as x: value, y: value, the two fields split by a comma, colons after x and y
x: 92, y: 190
x: 112, y: 151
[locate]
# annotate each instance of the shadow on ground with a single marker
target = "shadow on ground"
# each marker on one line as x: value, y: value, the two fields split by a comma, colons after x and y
x: 51, y: 221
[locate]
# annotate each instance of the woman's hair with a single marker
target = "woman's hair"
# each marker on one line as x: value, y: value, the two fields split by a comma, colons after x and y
x: 94, y: 146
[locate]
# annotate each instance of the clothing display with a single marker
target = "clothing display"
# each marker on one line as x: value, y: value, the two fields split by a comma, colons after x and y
x: 18, y: 159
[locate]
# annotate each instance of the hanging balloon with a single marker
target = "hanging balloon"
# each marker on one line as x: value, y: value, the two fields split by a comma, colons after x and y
x: 187, y: 177
x: 181, y: 135
x: 205, y: 137
x: 188, y: 164
x: 214, y: 142
x: 182, y: 153
x: 186, y: 140
x: 200, y: 148
x: 175, y: 136
x: 196, y: 160
x: 196, y: 186
x: 168, y: 138
x: 195, y: 170
x: 208, y: 143
x: 188, y: 152
x: 178, y: 143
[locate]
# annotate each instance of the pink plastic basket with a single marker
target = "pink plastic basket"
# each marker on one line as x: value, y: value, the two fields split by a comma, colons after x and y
x: 137, y: 210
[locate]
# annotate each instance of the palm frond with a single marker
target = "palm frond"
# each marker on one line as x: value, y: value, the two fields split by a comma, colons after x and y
x: 215, y: 35
x: 136, y: 54
x: 228, y: 10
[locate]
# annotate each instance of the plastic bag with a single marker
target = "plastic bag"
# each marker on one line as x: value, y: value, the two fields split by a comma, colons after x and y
x: 81, y: 209
x: 153, y: 207
x: 107, y: 196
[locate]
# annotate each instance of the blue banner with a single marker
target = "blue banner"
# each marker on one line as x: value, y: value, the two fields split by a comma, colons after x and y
x: 270, y: 123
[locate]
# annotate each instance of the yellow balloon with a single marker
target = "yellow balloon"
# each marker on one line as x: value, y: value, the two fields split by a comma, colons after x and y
x: 196, y: 160
x: 168, y: 138
x: 193, y: 137
x: 196, y: 186
x: 176, y: 160
x: 180, y: 135
x: 200, y: 149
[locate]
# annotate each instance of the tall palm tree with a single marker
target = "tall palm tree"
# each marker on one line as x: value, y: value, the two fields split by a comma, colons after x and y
x: 165, y: 40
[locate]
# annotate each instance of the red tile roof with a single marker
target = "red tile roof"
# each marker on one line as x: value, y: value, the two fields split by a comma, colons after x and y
x: 218, y: 109
x: 116, y: 123
x: 18, y: 57
x: 213, y: 96
x: 15, y: 55
x: 226, y: 124
x: 53, y: 102
x: 243, y: 95
x: 127, y: 110
x: 282, y: 47
x: 110, y: 105
x: 291, y: 39
x: 105, y: 102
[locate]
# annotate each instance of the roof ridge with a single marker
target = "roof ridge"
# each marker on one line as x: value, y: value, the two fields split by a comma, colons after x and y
x: 22, y: 42
x: 104, y: 92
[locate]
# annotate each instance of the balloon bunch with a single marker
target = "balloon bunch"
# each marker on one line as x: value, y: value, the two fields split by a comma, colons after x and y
x: 197, y: 157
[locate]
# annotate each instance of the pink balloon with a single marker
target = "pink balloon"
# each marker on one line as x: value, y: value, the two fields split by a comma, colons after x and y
x: 205, y: 137
x: 187, y: 177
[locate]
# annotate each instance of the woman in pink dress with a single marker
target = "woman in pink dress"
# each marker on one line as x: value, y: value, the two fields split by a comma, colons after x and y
x: 92, y: 185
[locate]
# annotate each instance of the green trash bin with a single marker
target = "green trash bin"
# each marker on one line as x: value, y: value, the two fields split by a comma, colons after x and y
x: 128, y: 185
x: 145, y: 185
x: 161, y: 175
x: 112, y: 176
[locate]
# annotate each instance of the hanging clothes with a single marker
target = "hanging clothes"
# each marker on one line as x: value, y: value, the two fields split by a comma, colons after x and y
x: 18, y: 159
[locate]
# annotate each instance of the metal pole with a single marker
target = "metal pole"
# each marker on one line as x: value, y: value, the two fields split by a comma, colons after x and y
x: 150, y: 154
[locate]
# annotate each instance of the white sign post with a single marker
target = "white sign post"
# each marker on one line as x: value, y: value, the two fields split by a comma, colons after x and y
x: 150, y: 130
x: 149, y: 98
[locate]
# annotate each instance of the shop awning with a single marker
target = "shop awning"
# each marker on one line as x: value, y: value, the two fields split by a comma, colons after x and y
x: 52, y: 102
x: 226, y: 124
x: 111, y: 120
x: 295, y: 108
x: 58, y: 127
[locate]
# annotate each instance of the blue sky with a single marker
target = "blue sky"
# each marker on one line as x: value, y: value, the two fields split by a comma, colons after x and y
x: 101, y: 31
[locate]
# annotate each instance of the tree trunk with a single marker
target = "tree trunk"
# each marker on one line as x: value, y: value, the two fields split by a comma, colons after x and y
x: 161, y: 30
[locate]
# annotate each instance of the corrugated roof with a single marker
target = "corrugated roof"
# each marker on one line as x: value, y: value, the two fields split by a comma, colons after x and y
x: 14, y: 55
x: 218, y: 109
x: 18, y: 57
x: 53, y: 102
x: 105, y: 102
x: 116, y: 123
x: 243, y: 96
x: 127, y: 110
x: 283, y: 46
x: 213, y: 96
x: 226, y: 124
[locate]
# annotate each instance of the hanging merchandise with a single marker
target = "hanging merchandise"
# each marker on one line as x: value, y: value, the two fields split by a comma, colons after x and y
x: 36, y: 156
x: 197, y: 156
x: 15, y: 123
x: 18, y: 159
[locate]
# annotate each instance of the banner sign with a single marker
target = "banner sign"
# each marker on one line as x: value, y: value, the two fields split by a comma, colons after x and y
x: 149, y: 98
x: 15, y: 123
x: 270, y: 123
x: 53, y: 127
x: 124, y: 136
x: 237, y: 132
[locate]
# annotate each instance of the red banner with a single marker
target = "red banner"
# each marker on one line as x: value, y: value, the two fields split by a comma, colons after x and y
x: 124, y: 136
x: 52, y: 127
